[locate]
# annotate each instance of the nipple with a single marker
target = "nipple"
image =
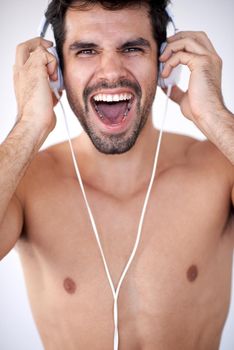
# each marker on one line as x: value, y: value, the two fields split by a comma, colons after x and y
x: 69, y: 285
x: 192, y: 273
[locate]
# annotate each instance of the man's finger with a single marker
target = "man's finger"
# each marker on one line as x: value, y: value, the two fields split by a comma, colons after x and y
x: 24, y: 50
x: 187, y: 44
x: 197, y: 36
x: 188, y: 59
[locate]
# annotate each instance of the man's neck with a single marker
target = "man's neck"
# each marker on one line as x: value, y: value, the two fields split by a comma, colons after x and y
x: 121, y: 175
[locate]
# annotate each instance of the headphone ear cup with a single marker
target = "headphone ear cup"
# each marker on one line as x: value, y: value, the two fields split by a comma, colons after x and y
x: 161, y: 81
x: 58, y: 84
x: 173, y: 78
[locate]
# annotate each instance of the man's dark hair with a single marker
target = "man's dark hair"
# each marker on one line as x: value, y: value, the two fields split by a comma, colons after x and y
x: 57, y: 9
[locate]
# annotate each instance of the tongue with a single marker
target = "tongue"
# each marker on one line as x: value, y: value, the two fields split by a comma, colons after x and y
x: 112, y: 112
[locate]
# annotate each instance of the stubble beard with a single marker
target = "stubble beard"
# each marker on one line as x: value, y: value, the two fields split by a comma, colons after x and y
x: 115, y: 143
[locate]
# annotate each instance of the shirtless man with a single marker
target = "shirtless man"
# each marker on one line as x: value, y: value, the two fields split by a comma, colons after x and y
x: 176, y: 293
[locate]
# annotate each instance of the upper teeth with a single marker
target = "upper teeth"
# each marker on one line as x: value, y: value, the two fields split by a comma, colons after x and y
x: 113, y: 98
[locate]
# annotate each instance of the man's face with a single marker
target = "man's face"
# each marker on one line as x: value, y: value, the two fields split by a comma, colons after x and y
x: 110, y: 73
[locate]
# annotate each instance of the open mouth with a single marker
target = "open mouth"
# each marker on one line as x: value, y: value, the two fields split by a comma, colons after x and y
x: 112, y: 109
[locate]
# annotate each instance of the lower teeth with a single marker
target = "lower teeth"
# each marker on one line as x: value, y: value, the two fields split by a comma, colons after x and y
x: 128, y: 109
x: 124, y: 116
x: 98, y: 112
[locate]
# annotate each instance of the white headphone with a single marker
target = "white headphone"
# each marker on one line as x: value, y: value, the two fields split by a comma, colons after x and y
x: 162, y: 82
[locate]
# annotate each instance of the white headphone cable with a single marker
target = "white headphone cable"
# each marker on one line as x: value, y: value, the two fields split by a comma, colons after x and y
x: 116, y: 292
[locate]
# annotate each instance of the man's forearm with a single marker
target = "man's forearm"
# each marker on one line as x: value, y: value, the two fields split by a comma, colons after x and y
x: 219, y: 129
x: 16, y: 153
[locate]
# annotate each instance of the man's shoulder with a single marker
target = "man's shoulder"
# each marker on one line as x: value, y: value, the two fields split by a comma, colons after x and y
x: 47, y: 160
x: 207, y: 154
x: 202, y: 154
x: 46, y: 168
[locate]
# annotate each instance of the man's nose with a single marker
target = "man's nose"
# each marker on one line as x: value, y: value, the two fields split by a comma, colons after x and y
x: 111, y: 68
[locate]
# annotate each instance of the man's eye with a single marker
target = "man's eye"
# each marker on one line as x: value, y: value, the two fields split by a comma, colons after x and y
x: 133, y: 49
x: 87, y: 52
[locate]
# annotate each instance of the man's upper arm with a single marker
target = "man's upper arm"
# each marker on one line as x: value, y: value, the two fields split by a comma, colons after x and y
x: 233, y: 195
x: 232, y: 182
x: 233, y: 203
x: 11, y: 226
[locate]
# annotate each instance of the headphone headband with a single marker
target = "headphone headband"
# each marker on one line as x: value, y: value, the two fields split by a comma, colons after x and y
x: 171, y: 16
x: 43, y: 26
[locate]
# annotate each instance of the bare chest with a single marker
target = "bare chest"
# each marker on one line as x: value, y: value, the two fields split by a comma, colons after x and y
x: 175, y: 281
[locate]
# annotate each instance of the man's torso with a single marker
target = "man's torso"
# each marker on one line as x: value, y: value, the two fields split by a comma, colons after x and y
x: 176, y: 292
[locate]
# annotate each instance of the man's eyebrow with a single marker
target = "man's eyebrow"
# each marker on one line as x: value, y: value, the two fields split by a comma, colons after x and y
x: 82, y: 45
x: 136, y: 42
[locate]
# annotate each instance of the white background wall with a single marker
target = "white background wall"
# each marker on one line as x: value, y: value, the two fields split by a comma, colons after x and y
x: 18, y: 22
